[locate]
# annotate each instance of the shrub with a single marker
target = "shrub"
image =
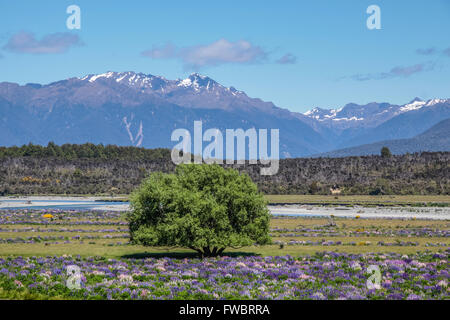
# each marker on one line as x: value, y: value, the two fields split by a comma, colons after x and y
x: 385, y: 152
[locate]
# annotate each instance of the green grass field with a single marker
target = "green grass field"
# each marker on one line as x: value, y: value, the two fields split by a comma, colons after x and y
x: 354, y: 235
x: 36, y: 247
x: 362, y: 200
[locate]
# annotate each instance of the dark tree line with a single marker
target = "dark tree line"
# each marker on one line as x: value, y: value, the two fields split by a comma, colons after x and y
x: 98, y: 169
x: 82, y: 151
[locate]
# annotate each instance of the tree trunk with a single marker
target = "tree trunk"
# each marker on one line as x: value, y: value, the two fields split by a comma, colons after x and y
x: 207, y: 252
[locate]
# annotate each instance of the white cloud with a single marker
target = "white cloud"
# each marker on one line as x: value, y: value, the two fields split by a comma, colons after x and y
x: 400, y: 71
x: 216, y: 53
x: 26, y: 42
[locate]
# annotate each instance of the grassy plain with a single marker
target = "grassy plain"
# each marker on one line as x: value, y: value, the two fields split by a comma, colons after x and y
x: 362, y: 200
x: 355, y: 235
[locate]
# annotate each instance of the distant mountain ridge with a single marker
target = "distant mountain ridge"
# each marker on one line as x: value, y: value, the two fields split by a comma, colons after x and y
x: 128, y: 108
x: 370, y: 114
x: 437, y: 138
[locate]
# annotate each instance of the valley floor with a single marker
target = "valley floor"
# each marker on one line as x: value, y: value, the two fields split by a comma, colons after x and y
x: 407, y: 207
x: 312, y: 256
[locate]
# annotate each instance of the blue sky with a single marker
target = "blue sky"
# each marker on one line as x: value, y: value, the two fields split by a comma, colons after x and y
x: 297, y: 54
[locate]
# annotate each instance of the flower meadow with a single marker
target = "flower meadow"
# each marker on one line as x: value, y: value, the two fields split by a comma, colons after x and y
x: 327, y: 275
x: 44, y: 245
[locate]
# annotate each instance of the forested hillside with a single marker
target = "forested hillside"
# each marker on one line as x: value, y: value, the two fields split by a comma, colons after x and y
x: 98, y: 169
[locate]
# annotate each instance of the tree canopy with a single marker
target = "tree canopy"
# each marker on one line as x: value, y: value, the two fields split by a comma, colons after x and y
x: 84, y: 151
x: 203, y: 207
x: 385, y: 152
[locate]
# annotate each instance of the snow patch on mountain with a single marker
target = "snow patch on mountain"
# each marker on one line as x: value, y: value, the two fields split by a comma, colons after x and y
x: 348, y: 119
x: 195, y: 83
x: 103, y: 75
x: 331, y: 114
x: 418, y: 104
x: 360, y: 113
x: 310, y: 112
x: 412, y: 106
x: 138, y: 139
x: 432, y: 102
x: 185, y: 83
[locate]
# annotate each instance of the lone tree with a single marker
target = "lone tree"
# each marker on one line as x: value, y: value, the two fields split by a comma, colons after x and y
x: 385, y: 152
x: 202, y: 207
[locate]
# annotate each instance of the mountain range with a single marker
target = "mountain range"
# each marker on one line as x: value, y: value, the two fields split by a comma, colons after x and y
x: 128, y: 108
x: 437, y: 138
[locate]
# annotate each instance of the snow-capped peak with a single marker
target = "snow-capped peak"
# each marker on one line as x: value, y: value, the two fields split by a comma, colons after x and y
x: 118, y: 76
x: 196, y: 75
x: 195, y: 82
x: 93, y: 77
x: 432, y: 102
x: 418, y: 104
x: 130, y: 79
x: 413, y: 105
x: 185, y: 82
x: 311, y: 112
x: 198, y: 81
x: 323, y: 114
x: 415, y: 100
x: 383, y: 111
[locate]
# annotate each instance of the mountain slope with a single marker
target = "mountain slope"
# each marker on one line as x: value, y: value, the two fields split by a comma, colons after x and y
x: 128, y: 108
x: 404, y: 125
x: 136, y: 109
x: 437, y: 138
x: 353, y: 124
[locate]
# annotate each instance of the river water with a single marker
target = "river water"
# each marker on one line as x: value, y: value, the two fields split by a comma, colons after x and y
x: 93, y: 203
